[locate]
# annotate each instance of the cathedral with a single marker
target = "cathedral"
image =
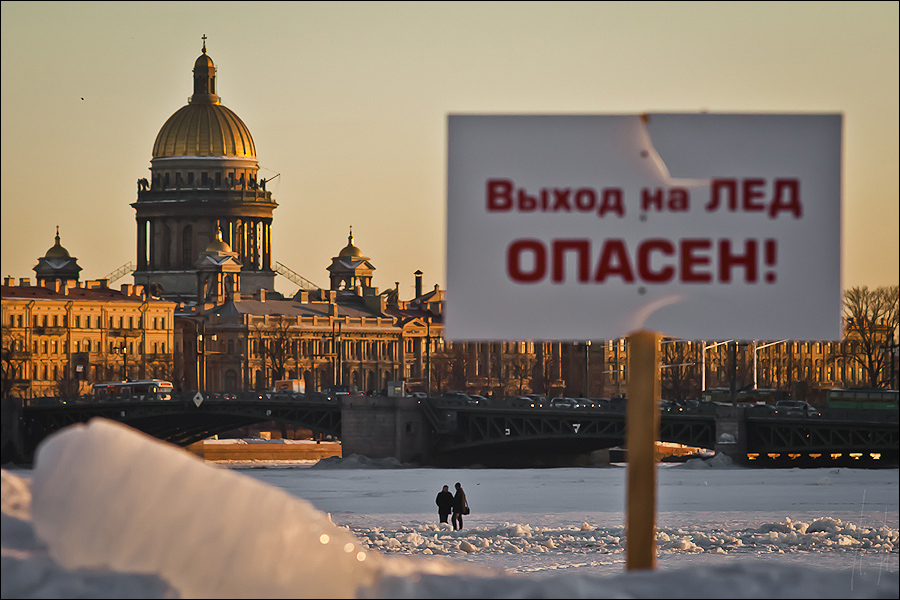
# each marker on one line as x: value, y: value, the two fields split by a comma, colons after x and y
x: 203, y: 189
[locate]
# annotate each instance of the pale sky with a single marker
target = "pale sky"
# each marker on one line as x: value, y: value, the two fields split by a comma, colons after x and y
x: 348, y: 102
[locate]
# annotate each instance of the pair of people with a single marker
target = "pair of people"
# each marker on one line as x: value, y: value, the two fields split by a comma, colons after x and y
x: 455, y: 503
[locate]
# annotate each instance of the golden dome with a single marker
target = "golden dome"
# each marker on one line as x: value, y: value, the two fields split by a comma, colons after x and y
x: 204, y: 130
x: 350, y: 251
x: 218, y: 244
x: 204, y: 127
x: 57, y: 251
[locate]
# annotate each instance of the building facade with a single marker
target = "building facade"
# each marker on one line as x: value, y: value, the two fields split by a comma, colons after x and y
x: 58, y: 340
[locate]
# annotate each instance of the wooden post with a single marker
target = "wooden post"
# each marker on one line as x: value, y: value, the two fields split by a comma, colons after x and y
x: 641, y: 434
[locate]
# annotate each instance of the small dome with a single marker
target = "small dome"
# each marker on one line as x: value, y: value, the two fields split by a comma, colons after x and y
x: 204, y: 61
x: 350, y: 251
x: 57, y: 251
x: 218, y: 244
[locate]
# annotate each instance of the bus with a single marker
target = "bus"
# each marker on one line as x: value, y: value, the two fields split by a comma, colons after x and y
x: 152, y: 389
x: 862, y: 398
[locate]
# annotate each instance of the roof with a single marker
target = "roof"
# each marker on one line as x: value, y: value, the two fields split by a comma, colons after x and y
x: 293, y: 308
x: 36, y: 292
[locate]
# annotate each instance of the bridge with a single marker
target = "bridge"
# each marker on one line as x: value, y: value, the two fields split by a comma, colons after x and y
x: 438, y: 432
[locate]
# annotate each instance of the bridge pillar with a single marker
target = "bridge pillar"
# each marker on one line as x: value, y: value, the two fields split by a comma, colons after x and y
x: 731, y: 432
x: 11, y: 440
x: 382, y: 427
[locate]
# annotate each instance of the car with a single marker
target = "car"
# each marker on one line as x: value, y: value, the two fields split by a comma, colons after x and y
x: 522, y: 402
x: 478, y: 399
x: 562, y: 402
x: 537, y: 398
x: 689, y: 405
x: 796, y: 408
x: 456, y: 398
x: 670, y: 406
x: 762, y: 409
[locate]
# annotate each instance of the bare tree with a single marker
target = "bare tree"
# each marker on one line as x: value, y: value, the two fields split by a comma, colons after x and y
x: 13, y: 357
x: 871, y: 319
x: 678, y: 371
x: 275, y: 339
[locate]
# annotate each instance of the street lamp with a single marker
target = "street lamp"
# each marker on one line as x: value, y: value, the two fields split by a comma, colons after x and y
x: 757, y: 349
x: 428, y: 355
x: 587, y: 369
x: 123, y: 350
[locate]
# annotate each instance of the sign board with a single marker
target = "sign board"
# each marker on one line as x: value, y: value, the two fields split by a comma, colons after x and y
x: 590, y: 227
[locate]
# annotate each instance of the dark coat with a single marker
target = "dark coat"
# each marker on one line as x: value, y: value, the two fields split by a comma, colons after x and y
x: 444, y: 501
x: 459, y: 501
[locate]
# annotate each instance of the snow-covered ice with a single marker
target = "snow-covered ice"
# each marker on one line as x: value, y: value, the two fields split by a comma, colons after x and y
x: 110, y: 513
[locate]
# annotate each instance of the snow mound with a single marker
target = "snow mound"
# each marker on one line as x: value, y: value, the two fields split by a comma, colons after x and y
x: 105, y: 496
x: 719, y: 461
x: 357, y: 461
x: 16, y: 496
x: 761, y: 579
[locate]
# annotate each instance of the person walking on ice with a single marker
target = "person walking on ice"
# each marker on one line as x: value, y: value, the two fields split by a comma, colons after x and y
x: 460, y: 507
x: 444, y: 502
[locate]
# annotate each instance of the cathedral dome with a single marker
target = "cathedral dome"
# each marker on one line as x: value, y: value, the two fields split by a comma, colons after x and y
x: 204, y: 130
x: 204, y: 127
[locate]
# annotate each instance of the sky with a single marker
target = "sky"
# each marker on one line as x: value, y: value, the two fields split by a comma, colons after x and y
x: 348, y: 104
x: 104, y: 502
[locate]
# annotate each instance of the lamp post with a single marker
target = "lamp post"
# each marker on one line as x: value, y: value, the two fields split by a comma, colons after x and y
x: 123, y: 350
x: 428, y: 356
x: 335, y: 342
x: 587, y: 369
x: 757, y: 349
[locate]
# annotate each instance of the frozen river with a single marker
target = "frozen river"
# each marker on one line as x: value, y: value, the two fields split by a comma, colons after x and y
x: 110, y: 513
x: 547, y: 520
